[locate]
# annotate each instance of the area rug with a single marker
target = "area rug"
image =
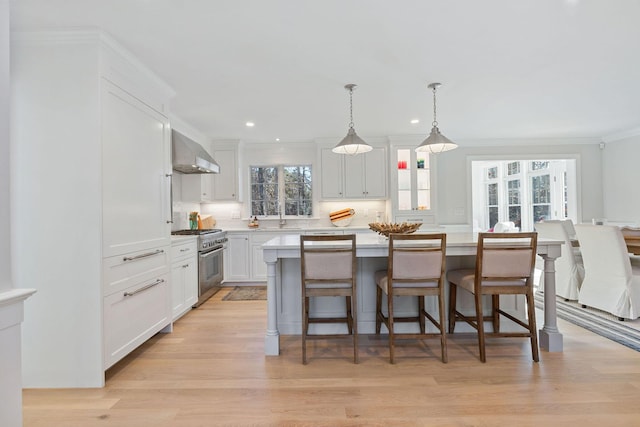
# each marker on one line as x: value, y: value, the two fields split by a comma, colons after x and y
x: 246, y: 293
x: 607, y: 325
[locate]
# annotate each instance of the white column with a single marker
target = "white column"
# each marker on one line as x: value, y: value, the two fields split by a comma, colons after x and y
x: 272, y: 337
x: 550, y: 336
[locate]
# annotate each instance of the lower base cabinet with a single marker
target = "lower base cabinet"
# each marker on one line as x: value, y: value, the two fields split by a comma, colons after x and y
x: 184, y: 278
x: 133, y: 316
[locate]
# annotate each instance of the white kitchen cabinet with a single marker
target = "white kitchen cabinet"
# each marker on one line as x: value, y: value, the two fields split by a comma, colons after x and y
x: 363, y: 176
x: 98, y: 117
x: 131, y: 317
x: 184, y: 277
x: 213, y: 187
x: 412, y: 194
x: 332, y: 173
x: 238, y: 261
x: 258, y: 266
x: 197, y: 187
x: 136, y: 174
x: 225, y: 183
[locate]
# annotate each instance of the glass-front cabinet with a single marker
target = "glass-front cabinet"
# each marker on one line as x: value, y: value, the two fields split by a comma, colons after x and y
x: 414, y: 181
x: 413, y: 198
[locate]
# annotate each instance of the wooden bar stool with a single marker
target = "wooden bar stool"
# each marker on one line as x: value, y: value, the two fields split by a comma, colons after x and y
x: 415, y: 268
x: 504, y: 265
x: 328, y: 268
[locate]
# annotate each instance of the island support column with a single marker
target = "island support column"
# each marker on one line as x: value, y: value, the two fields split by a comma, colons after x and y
x: 272, y: 338
x: 550, y: 336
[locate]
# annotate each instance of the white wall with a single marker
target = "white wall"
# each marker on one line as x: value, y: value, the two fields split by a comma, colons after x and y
x: 621, y: 175
x: 5, y: 224
x: 454, y: 173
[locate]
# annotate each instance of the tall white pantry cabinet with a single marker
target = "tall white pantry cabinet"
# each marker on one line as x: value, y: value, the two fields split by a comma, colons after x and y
x: 91, y: 184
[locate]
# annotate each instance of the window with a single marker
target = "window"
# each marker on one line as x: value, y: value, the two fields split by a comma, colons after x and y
x: 513, y: 200
x: 264, y: 190
x: 513, y: 168
x: 273, y: 187
x: 297, y: 190
x: 541, y: 197
x: 523, y: 191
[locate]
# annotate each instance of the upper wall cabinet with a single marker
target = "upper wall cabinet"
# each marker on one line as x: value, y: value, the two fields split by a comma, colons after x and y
x: 223, y: 186
x: 363, y: 176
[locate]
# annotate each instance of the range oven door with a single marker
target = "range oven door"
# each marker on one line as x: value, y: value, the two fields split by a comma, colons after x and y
x: 210, y: 273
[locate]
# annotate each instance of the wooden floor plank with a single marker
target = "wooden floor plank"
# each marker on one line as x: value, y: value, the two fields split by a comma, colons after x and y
x: 212, y: 371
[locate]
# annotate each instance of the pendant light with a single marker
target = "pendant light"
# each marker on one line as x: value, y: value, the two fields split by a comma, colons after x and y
x: 436, y: 142
x: 351, y: 144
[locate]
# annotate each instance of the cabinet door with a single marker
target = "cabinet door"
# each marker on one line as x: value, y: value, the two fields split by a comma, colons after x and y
x: 331, y: 174
x: 191, y: 282
x: 225, y: 183
x: 197, y: 187
x: 184, y: 285
x: 238, y: 259
x: 354, y: 185
x: 258, y: 266
x: 177, y: 290
x: 136, y: 173
x: 375, y: 174
x: 133, y: 316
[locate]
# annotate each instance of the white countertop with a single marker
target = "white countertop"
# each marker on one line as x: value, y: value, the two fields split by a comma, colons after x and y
x: 373, y: 240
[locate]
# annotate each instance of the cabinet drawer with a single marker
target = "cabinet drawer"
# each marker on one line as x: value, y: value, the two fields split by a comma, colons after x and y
x: 134, y: 315
x: 182, y: 250
x: 123, y: 271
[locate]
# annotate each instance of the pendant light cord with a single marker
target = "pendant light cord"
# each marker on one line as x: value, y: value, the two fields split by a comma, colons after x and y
x: 351, y: 107
x: 435, y: 121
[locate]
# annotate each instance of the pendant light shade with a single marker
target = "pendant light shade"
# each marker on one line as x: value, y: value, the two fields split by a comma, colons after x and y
x: 436, y: 142
x: 351, y: 144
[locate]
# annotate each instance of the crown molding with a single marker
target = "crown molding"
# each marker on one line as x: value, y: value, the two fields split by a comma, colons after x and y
x: 630, y: 133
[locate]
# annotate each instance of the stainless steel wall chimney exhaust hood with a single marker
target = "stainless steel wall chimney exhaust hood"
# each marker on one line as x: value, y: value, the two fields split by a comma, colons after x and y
x: 190, y: 157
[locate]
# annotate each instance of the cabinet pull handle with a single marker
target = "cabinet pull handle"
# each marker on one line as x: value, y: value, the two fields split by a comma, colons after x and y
x: 185, y: 266
x: 170, y: 176
x: 144, y: 288
x: 184, y: 250
x: 156, y: 252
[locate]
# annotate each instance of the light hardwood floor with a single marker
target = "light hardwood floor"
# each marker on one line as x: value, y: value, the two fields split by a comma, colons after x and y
x: 212, y: 371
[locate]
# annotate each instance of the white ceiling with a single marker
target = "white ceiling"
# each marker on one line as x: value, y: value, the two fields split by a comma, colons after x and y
x: 509, y: 69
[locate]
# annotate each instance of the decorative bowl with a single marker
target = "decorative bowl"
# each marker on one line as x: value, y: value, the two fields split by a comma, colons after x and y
x: 343, y: 222
x: 386, y: 228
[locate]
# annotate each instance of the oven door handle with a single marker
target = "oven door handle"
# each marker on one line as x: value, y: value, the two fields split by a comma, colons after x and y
x: 211, y: 253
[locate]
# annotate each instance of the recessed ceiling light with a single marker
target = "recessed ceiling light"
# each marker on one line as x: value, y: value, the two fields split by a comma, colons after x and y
x: 250, y: 124
x: 415, y: 121
x: 277, y: 139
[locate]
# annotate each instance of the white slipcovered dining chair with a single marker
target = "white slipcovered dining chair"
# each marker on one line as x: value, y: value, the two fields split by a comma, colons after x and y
x: 610, y: 282
x: 569, y: 268
x: 504, y: 227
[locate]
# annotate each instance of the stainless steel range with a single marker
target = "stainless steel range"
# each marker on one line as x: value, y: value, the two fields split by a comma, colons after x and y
x: 211, y: 244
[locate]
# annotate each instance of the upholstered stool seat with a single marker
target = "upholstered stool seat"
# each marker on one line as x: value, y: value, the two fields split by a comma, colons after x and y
x: 328, y: 268
x: 415, y: 268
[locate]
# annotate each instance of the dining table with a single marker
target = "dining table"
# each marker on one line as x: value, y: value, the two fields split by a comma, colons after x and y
x: 282, y: 257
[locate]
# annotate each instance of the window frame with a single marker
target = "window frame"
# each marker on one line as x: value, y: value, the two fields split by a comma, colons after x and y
x: 277, y: 206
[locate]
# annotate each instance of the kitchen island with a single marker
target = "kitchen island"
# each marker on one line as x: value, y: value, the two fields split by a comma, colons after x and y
x: 282, y: 256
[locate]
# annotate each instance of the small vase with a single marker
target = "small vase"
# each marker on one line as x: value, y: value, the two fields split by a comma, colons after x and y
x: 193, y: 224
